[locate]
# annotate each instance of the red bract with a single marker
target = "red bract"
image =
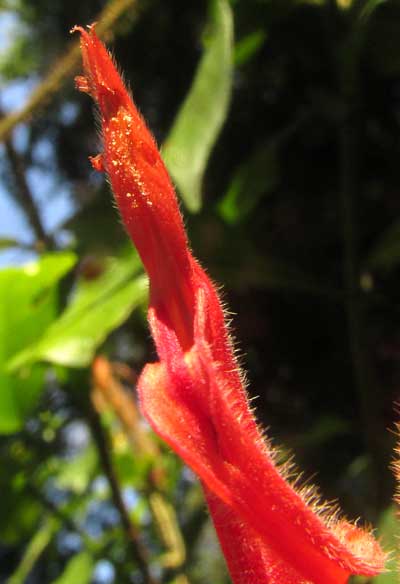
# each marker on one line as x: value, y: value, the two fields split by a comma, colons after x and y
x: 194, y: 397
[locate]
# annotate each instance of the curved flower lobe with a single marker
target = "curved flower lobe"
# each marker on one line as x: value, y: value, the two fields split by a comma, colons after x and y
x: 194, y: 397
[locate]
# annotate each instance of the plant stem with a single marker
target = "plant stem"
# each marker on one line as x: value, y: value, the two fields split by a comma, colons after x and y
x: 105, y: 382
x: 356, y: 303
x: 34, y: 550
x: 139, y: 551
x: 60, y: 514
x: 63, y: 68
x: 25, y: 197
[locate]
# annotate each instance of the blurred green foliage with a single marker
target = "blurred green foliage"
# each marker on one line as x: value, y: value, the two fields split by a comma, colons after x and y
x: 204, y: 110
x: 280, y: 124
x: 28, y: 303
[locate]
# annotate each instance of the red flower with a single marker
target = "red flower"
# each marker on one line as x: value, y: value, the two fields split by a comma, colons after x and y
x: 194, y: 397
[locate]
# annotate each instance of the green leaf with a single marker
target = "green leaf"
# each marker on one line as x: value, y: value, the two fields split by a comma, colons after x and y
x: 76, y: 474
x: 97, y: 307
x: 386, y: 253
x: 248, y: 46
x: 79, y: 569
x: 369, y: 8
x: 20, y: 58
x: 19, y: 510
x: 28, y: 304
x: 34, y: 549
x: 382, y: 41
x: 256, y: 177
x: 388, y: 533
x: 131, y: 471
x: 323, y: 430
x: 199, y: 120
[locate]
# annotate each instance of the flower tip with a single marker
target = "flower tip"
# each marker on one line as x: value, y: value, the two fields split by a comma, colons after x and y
x: 369, y: 557
x: 76, y: 28
x: 81, y: 30
x: 100, y: 79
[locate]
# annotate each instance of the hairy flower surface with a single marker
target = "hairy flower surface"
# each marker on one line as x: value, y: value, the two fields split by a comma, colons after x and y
x: 194, y: 396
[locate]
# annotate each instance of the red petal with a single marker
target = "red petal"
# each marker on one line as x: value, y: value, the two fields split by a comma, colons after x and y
x: 249, y: 483
x: 180, y: 427
x: 249, y: 559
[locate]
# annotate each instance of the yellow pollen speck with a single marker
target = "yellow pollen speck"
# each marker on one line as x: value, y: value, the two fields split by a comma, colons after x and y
x: 129, y: 195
